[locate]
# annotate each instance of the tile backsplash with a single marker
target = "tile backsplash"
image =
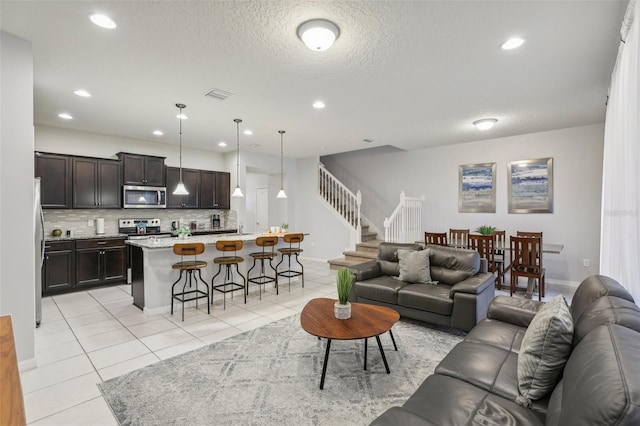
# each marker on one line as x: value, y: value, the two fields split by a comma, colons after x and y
x: 77, y: 219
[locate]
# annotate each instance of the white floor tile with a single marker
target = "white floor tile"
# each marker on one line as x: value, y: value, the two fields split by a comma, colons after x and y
x: 203, y: 328
x: 180, y: 348
x: 100, y: 327
x: 55, y: 338
x: 153, y: 327
x: 127, y: 366
x: 89, y: 318
x: 115, y: 354
x: 166, y: 338
x: 59, y: 352
x: 253, y: 324
x: 56, y: 372
x: 95, y: 412
x: 99, y: 341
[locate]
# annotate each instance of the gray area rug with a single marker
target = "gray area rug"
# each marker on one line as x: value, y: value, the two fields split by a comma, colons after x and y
x: 271, y: 376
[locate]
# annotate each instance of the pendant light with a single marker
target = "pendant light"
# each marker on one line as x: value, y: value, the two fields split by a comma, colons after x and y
x: 281, y: 194
x: 237, y: 192
x: 180, y: 189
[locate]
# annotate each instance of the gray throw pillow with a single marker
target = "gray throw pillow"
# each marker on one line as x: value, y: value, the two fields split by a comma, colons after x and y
x: 414, y: 266
x: 545, y: 348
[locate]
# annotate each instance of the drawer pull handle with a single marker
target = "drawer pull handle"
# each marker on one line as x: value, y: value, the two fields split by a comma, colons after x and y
x: 102, y: 242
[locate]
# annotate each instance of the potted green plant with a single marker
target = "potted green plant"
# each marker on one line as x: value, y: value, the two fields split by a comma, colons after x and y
x: 284, y: 227
x: 485, y: 230
x: 344, y: 281
x: 183, y: 232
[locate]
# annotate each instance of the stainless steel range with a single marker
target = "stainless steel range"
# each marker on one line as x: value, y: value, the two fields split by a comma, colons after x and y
x: 141, y: 228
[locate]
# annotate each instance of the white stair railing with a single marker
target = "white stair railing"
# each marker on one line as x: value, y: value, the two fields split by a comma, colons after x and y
x: 405, y: 223
x: 342, y: 200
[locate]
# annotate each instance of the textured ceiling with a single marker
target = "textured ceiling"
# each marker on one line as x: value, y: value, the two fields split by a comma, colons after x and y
x: 407, y: 74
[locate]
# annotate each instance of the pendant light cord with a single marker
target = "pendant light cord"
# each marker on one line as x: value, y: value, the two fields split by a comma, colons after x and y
x: 238, y: 121
x: 281, y: 161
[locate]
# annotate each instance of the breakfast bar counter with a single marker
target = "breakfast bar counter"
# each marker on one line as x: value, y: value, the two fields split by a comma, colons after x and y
x: 151, y: 260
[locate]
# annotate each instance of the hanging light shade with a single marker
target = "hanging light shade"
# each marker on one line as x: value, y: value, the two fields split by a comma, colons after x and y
x: 281, y: 193
x: 180, y: 189
x: 237, y: 192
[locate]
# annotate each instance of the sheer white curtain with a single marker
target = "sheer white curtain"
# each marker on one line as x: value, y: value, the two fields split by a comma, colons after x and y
x: 620, y: 238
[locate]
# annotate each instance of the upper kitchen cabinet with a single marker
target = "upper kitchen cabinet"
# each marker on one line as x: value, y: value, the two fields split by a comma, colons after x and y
x: 191, y: 180
x: 142, y: 169
x: 222, y: 194
x: 96, y: 183
x: 54, y: 172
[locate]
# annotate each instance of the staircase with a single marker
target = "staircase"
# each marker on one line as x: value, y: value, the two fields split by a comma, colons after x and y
x: 365, y: 251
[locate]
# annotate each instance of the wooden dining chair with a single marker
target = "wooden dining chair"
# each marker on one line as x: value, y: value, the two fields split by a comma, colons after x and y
x: 499, y: 246
x: 436, y: 238
x: 485, y: 246
x: 459, y: 238
x: 526, y: 261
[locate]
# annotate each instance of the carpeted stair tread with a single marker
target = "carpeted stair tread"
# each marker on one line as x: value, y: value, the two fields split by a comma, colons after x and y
x: 342, y: 262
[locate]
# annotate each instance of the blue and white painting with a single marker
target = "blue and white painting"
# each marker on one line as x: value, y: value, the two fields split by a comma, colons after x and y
x: 531, y: 186
x: 477, y: 192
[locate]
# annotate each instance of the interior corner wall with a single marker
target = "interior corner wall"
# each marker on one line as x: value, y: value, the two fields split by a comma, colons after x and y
x: 433, y: 172
x: 17, y: 245
x: 328, y: 236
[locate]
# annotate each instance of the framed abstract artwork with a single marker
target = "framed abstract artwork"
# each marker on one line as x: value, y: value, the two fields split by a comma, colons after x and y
x: 531, y: 186
x: 477, y: 188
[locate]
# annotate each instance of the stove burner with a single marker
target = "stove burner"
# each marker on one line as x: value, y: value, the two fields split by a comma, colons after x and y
x: 139, y: 226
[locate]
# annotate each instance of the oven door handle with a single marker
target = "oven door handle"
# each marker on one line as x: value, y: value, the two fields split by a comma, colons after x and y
x: 159, y: 198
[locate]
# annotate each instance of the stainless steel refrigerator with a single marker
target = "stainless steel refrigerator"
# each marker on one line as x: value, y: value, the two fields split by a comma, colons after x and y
x: 38, y: 222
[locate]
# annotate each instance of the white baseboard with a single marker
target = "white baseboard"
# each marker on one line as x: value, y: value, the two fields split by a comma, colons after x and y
x: 565, y: 285
x: 27, y: 364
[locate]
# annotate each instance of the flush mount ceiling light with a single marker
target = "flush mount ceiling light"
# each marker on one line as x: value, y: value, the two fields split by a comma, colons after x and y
x: 180, y: 188
x: 512, y: 43
x: 237, y: 192
x: 485, y: 123
x: 318, y: 34
x: 281, y: 194
x: 82, y: 93
x: 103, y: 21
x: 65, y: 116
x: 318, y: 104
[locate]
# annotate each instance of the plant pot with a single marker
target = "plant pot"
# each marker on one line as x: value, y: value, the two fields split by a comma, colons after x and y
x: 182, y: 236
x: 342, y: 311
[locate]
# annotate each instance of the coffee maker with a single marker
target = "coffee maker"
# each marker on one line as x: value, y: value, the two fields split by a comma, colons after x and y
x: 215, y: 221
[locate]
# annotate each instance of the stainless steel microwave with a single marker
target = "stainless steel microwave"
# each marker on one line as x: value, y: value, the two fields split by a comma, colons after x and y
x: 144, y: 197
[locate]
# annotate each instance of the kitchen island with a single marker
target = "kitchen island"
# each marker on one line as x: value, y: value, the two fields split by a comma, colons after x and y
x: 151, y: 260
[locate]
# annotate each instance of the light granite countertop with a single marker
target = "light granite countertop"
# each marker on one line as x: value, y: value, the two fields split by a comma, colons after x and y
x: 163, y: 243
x: 50, y: 238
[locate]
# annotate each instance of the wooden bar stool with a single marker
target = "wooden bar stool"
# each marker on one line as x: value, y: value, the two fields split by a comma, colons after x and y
x: 189, y: 266
x: 294, y: 249
x: 228, y: 260
x: 268, y: 252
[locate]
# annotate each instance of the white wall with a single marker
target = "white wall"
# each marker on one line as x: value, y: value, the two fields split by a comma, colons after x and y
x: 17, y: 246
x: 73, y: 142
x: 433, y: 172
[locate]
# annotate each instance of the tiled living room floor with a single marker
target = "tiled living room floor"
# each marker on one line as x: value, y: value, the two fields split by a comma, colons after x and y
x: 94, y: 335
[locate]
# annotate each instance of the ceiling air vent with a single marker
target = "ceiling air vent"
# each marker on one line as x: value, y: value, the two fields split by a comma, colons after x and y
x: 218, y: 94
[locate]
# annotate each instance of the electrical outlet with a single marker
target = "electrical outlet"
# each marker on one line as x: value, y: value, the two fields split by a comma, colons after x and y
x: 585, y: 263
x: 90, y: 222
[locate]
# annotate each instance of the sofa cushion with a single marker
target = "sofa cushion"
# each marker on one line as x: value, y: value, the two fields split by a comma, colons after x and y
x: 414, y: 266
x: 497, y: 333
x: 451, y: 265
x: 382, y: 289
x: 444, y: 400
x: 607, y: 310
x: 600, y: 383
x: 431, y: 298
x: 388, y: 257
x: 593, y: 288
x: 546, y: 345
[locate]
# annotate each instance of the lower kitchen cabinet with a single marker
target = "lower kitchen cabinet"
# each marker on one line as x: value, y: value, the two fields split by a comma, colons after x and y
x: 58, y: 267
x: 101, y: 261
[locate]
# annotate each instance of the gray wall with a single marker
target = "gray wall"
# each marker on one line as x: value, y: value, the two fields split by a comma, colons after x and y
x: 433, y: 172
x: 17, y: 245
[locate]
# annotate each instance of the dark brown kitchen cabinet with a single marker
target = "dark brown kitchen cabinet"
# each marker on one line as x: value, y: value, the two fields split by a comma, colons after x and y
x: 54, y: 172
x: 96, y: 183
x: 191, y: 180
x: 142, y: 169
x: 100, y: 261
x: 222, y: 194
x: 58, y: 267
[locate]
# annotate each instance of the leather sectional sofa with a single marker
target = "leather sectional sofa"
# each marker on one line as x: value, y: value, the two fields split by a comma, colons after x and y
x: 459, y: 300
x: 477, y: 382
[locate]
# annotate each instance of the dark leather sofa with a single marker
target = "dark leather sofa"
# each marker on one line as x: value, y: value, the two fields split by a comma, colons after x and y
x: 460, y: 299
x: 476, y: 383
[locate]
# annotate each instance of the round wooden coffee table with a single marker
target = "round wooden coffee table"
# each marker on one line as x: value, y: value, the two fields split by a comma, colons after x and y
x: 366, y: 321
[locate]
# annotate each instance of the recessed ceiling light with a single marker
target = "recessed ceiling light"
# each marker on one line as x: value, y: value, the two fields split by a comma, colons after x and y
x: 65, y: 116
x: 512, y: 43
x: 182, y: 116
x: 82, y: 93
x: 485, y: 123
x: 318, y: 34
x: 223, y: 144
x: 103, y: 21
x: 318, y: 104
x: 158, y: 132
x: 248, y: 132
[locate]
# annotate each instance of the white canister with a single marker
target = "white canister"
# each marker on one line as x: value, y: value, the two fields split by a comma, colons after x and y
x: 100, y: 225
